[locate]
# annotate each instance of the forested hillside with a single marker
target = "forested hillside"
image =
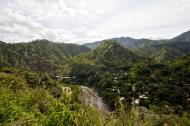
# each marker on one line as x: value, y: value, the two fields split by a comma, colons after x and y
x: 159, y: 50
x: 38, y: 55
x: 28, y: 98
x: 146, y: 83
x: 157, y: 82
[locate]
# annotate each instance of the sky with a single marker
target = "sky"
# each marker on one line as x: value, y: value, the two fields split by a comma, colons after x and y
x: 82, y: 21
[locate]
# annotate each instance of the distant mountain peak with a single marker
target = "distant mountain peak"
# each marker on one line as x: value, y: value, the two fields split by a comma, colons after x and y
x: 109, y: 43
x: 121, y: 40
x: 133, y: 43
x: 182, y: 37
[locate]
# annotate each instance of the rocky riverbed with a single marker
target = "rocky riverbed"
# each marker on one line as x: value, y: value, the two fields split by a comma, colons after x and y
x: 89, y: 97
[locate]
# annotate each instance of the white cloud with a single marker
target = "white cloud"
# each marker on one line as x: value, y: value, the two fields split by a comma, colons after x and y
x: 83, y: 21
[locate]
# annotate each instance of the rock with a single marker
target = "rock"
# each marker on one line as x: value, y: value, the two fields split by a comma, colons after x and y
x: 89, y: 97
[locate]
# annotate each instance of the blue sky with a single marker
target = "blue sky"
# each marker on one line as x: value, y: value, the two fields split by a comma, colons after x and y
x: 81, y: 21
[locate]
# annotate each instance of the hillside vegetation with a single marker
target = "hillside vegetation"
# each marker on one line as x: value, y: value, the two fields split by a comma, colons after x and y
x: 158, y: 50
x: 29, y: 98
x: 142, y: 83
x: 38, y: 55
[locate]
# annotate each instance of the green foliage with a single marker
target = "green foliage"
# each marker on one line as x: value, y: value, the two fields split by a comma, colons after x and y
x: 117, y: 73
x: 38, y: 55
x: 35, y: 104
x: 163, y: 84
x: 159, y: 50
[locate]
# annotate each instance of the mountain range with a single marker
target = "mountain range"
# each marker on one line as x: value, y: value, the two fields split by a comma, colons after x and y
x: 44, y: 55
x: 139, y: 80
x: 164, y: 49
x: 137, y: 43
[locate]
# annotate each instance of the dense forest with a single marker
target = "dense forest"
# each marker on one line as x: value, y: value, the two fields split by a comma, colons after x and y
x: 143, y: 82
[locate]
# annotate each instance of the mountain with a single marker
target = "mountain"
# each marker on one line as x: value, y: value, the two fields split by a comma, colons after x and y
x: 109, y: 54
x: 93, y: 44
x: 135, y: 88
x: 159, y: 50
x: 121, y: 40
x: 182, y: 37
x: 127, y: 41
x: 38, y: 55
x: 112, y: 53
x: 145, y: 47
x: 165, y: 54
x: 107, y: 57
x: 114, y: 71
x: 139, y: 43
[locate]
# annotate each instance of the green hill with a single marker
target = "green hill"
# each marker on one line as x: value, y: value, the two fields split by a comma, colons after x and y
x: 28, y: 98
x: 184, y: 37
x: 155, y: 84
x: 158, y: 50
x: 112, y: 53
x: 145, y: 83
x: 39, y: 55
x: 109, y: 56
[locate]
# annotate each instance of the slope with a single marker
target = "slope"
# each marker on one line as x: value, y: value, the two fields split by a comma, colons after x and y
x: 39, y: 55
x: 158, y: 50
x: 109, y: 55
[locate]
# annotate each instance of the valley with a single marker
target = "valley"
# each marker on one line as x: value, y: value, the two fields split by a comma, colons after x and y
x: 94, y: 63
x: 120, y: 81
